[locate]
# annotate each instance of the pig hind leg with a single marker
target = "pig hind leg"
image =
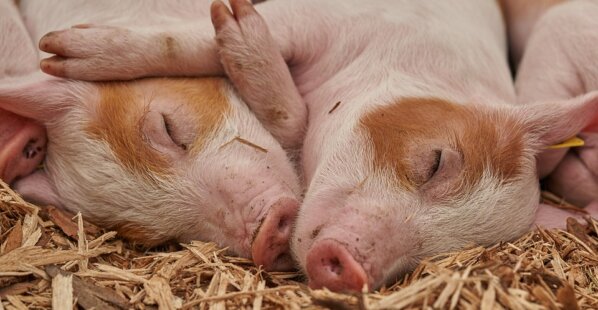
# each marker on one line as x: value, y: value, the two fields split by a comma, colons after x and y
x: 551, y: 217
x: 254, y: 63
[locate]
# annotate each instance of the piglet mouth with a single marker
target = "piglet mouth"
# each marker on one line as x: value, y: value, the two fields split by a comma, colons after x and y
x: 270, y: 247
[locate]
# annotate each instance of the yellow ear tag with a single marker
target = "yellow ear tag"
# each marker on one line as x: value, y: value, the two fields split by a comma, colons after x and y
x: 573, y: 142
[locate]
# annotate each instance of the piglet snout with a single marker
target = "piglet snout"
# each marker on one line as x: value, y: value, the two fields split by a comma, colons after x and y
x: 270, y: 247
x: 329, y: 264
x: 23, y: 150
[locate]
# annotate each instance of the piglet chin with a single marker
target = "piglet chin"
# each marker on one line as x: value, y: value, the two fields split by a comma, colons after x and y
x: 270, y: 247
x: 329, y: 264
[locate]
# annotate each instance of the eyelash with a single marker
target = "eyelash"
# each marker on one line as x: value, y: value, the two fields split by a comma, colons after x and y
x: 437, y: 156
x: 168, y: 128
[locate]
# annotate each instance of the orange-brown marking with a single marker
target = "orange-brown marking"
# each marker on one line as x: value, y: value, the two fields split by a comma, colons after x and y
x: 120, y: 115
x: 397, y: 128
x: 138, y: 233
x: 207, y: 102
x: 118, y: 122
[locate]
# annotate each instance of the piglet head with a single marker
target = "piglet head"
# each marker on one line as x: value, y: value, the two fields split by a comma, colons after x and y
x: 163, y: 159
x: 433, y: 176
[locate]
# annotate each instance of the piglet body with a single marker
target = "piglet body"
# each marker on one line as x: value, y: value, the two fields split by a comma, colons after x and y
x: 156, y: 159
x: 560, y: 62
x: 412, y: 147
x: 22, y: 140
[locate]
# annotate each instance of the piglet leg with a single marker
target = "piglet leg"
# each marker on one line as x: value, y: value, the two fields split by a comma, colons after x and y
x: 254, y: 63
x: 99, y: 52
x: 551, y: 217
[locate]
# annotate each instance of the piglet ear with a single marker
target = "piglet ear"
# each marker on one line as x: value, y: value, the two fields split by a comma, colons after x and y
x: 38, y: 189
x: 553, y: 122
x: 38, y: 96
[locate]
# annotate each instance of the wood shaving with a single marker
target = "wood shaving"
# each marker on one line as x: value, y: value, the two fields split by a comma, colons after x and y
x: 48, y: 258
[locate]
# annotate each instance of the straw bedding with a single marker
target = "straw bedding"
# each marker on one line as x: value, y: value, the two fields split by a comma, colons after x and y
x: 49, y: 259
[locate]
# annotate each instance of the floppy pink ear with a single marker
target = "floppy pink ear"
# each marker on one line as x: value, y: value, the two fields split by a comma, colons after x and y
x: 37, y: 96
x: 554, y: 122
x: 37, y: 188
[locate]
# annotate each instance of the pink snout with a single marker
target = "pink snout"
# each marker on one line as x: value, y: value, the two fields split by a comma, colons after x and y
x: 22, y: 146
x: 329, y: 264
x: 270, y: 247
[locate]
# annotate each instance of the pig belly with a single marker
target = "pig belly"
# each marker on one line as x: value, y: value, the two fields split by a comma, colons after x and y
x: 22, y: 141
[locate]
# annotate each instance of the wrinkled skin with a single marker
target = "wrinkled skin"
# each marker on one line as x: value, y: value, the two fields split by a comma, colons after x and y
x: 22, y: 140
x: 156, y: 159
x: 412, y: 147
x: 560, y: 62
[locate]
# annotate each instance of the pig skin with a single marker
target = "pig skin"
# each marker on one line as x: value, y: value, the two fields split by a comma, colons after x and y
x: 22, y: 140
x: 560, y: 62
x: 413, y: 145
x: 156, y: 159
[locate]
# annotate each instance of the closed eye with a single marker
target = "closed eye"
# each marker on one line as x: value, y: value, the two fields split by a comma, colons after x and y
x: 436, y: 163
x: 169, y: 130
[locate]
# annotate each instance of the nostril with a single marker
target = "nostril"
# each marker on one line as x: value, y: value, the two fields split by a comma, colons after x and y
x: 329, y: 264
x: 334, y: 265
x: 270, y: 247
x: 30, y: 150
x: 284, y: 224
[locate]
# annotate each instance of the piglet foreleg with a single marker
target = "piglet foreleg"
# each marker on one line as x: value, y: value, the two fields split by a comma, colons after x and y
x: 99, y: 52
x: 548, y: 216
x: 254, y: 63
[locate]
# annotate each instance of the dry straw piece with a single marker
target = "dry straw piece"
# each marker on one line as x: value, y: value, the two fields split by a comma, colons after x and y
x: 48, y: 258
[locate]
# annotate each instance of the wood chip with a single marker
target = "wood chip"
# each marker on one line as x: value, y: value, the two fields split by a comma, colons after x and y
x: 14, y: 239
x: 544, y: 269
x: 62, y: 291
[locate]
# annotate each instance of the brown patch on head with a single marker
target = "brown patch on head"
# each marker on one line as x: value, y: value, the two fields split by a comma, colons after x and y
x: 206, y: 101
x: 118, y: 122
x: 486, y: 140
x: 119, y: 118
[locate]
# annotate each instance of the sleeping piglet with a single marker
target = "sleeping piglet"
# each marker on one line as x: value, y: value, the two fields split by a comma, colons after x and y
x: 413, y: 146
x: 22, y: 140
x: 156, y: 159
x: 560, y: 62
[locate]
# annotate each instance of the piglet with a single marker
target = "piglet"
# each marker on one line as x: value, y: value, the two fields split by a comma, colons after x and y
x: 413, y: 144
x: 521, y: 17
x: 561, y: 62
x: 22, y: 140
x: 156, y: 159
